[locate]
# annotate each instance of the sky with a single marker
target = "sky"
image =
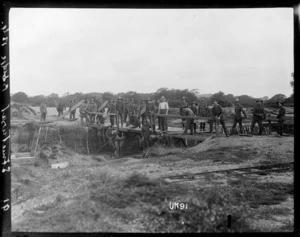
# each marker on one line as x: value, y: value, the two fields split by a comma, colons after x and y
x: 237, y: 51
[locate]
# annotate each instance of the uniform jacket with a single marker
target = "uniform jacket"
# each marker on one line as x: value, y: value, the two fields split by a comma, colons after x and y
x: 194, y: 109
x: 83, y: 108
x: 259, y: 111
x: 112, y: 108
x: 217, y: 111
x: 131, y: 107
x: 202, y: 109
x: 188, y: 112
x: 120, y: 106
x: 92, y: 107
x: 281, y: 114
x: 43, y: 108
x: 151, y: 108
x: 238, y: 109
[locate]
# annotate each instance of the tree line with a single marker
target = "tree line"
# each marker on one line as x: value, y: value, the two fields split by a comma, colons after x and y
x: 173, y: 96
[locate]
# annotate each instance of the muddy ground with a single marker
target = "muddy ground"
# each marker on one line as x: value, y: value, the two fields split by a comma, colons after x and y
x: 98, y: 193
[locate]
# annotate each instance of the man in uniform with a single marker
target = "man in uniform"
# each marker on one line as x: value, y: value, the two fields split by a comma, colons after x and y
x: 131, y: 109
x: 72, y: 113
x: 194, y: 108
x: 151, y: 109
x: 238, y: 118
x: 203, y: 112
x: 43, y: 110
x: 280, y: 117
x: 190, y: 121
x: 163, y: 108
x: 120, y: 110
x: 158, y: 118
x: 125, y: 111
x: 259, y: 115
x: 183, y: 104
x: 143, y: 111
x: 112, y: 109
x: 60, y: 108
x: 83, y: 112
x: 92, y: 108
x: 217, y: 113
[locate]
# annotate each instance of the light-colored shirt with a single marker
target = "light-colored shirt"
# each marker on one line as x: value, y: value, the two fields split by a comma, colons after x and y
x: 163, y: 105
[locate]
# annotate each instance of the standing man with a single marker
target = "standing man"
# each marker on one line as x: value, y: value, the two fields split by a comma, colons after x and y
x: 183, y: 104
x: 163, y: 108
x: 83, y: 112
x: 130, y: 109
x: 259, y: 115
x: 125, y: 111
x: 60, y: 108
x: 218, y: 116
x: 92, y: 108
x: 151, y: 109
x: 43, y: 110
x: 120, y: 109
x: 143, y: 111
x: 194, y: 108
x: 72, y: 113
x: 158, y: 118
x: 190, y: 121
x: 112, y: 109
x: 281, y: 118
x: 203, y: 112
x: 238, y: 118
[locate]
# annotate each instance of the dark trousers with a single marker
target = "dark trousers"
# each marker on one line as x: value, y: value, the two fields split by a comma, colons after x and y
x: 202, y: 126
x: 125, y: 114
x: 92, y: 118
x: 258, y: 120
x: 163, y: 121
x: 235, y: 122
x: 43, y: 116
x: 280, y: 128
x: 189, y: 125
x: 222, y: 122
x: 82, y: 116
x: 72, y: 115
x: 182, y: 122
x: 120, y: 118
x: 112, y: 119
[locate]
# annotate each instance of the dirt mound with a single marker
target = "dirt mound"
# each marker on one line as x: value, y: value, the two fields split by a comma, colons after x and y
x: 22, y: 111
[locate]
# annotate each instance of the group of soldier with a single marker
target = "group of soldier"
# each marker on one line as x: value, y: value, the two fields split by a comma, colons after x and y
x: 215, y: 112
x: 134, y: 113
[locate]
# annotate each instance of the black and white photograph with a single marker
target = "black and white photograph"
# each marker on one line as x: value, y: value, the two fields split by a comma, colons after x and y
x: 152, y: 120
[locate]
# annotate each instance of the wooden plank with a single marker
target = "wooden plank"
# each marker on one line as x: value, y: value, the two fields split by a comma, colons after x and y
x: 73, y: 108
x: 103, y: 105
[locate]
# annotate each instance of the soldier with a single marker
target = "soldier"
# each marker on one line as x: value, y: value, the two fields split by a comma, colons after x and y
x: 194, y: 108
x: 72, y: 113
x: 125, y: 111
x: 151, y: 109
x: 163, y: 108
x: 83, y: 112
x: 217, y: 113
x: 60, y: 108
x: 189, y: 121
x: 120, y: 109
x: 259, y: 115
x: 143, y: 111
x: 43, y: 110
x: 203, y: 112
x: 131, y: 110
x: 183, y: 104
x: 238, y: 118
x: 92, y: 108
x: 281, y: 118
x: 112, y: 109
x: 158, y: 118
